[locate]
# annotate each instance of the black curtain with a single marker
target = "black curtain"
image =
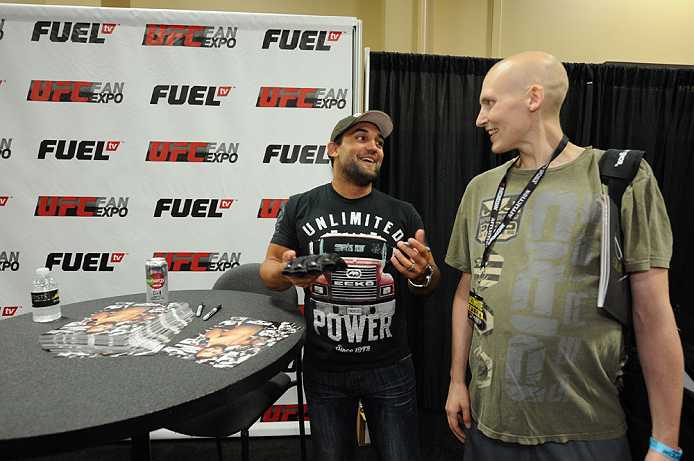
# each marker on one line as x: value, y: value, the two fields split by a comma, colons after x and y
x: 435, y: 150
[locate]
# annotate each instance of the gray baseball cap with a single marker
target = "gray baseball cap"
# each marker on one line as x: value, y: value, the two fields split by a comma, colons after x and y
x: 378, y: 118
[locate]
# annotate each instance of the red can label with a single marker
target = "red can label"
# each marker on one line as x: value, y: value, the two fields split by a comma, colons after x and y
x: 156, y: 281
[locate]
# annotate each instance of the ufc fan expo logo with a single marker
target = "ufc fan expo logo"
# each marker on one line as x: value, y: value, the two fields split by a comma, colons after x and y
x: 195, y: 95
x: 4, y: 199
x: 75, y: 91
x: 285, y: 153
x: 5, y: 148
x: 199, y: 262
x: 186, y: 151
x: 106, y: 207
x: 194, y: 208
x: 303, y: 98
x: 63, y: 149
x: 190, y: 36
x: 87, y: 262
x: 271, y: 207
x: 78, y: 32
x: 306, y: 40
x: 9, y: 261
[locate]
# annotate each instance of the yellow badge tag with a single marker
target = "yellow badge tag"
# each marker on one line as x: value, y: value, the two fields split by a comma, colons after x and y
x: 475, y: 310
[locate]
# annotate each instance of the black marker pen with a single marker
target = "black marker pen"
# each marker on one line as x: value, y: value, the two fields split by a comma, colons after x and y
x: 408, y: 244
x: 212, y: 312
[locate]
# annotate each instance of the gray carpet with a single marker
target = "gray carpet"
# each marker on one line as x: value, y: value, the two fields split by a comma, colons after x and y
x: 436, y: 441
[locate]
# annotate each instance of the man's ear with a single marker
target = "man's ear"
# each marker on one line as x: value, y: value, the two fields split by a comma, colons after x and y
x: 537, y: 97
x: 332, y: 149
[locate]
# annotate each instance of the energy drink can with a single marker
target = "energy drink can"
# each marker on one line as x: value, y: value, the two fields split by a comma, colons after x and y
x: 157, y: 274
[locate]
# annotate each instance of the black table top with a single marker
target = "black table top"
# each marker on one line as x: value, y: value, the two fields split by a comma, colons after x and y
x: 50, y: 404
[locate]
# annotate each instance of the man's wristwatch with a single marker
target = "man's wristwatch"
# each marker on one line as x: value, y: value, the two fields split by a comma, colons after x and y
x: 427, y: 278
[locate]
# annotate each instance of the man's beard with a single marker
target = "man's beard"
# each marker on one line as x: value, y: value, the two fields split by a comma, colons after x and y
x: 359, y: 176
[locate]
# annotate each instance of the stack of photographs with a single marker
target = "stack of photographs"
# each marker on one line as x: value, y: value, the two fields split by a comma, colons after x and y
x: 124, y: 328
x: 232, y: 341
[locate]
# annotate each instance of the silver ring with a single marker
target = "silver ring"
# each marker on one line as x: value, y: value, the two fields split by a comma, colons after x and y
x: 411, y: 269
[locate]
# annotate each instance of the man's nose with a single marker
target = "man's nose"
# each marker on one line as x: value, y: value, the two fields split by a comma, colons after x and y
x: 481, y: 119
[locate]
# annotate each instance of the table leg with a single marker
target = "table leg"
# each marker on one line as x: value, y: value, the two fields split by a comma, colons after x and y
x: 140, y: 448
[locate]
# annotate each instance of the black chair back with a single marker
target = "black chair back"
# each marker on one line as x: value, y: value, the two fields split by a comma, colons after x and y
x: 246, y: 277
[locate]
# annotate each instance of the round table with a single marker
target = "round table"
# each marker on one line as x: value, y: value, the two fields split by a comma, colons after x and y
x: 50, y: 404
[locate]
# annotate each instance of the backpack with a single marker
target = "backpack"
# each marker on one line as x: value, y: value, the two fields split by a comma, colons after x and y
x: 617, y: 169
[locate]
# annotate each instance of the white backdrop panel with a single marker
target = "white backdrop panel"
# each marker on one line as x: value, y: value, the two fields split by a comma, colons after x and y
x: 305, y: 62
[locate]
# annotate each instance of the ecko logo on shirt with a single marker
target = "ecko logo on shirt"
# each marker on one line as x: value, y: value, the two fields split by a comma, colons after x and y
x: 307, y: 40
x: 195, y: 208
x: 207, y: 152
x: 63, y: 149
x: 200, y: 261
x: 196, y: 95
x: 79, y: 32
x: 87, y: 262
x: 307, y: 98
x: 107, y: 207
x: 270, y: 207
x: 190, y: 36
x: 75, y: 91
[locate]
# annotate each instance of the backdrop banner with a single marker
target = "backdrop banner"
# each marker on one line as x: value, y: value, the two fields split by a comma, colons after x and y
x: 132, y: 133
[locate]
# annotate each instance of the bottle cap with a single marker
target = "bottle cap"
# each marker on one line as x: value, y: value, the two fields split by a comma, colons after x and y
x: 42, y: 271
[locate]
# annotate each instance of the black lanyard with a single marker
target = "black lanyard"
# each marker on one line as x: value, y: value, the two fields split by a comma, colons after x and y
x: 493, y: 234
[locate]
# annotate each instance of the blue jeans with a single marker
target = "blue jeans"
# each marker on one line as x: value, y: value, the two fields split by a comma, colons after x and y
x: 390, y: 403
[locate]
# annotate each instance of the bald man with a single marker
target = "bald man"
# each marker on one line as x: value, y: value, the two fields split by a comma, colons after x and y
x: 544, y: 362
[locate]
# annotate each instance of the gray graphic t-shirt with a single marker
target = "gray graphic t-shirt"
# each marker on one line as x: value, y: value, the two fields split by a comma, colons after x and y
x: 546, y: 365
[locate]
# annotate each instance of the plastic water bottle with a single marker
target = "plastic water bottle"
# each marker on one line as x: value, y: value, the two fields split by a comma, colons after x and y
x: 45, y: 300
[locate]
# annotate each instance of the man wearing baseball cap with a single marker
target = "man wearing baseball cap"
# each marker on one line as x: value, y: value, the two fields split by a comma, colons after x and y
x: 356, y: 342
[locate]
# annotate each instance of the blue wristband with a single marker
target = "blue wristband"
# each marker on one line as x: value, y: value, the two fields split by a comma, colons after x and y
x: 664, y: 450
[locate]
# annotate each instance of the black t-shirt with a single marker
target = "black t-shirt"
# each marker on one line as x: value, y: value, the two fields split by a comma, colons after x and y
x: 351, y: 315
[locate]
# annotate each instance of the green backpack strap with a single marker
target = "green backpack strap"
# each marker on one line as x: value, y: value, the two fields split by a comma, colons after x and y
x: 618, y: 167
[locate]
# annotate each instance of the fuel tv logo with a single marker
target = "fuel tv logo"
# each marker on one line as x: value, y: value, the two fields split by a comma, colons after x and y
x: 193, y: 152
x: 308, y: 154
x: 195, y: 95
x: 79, y: 32
x: 190, y: 36
x: 87, y: 262
x: 82, y: 206
x: 199, y: 261
x: 75, y: 91
x: 63, y: 149
x: 9, y: 311
x: 306, y: 40
x: 302, y: 98
x: 194, y: 208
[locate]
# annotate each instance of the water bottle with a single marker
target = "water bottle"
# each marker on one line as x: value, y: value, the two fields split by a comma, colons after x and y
x: 45, y: 300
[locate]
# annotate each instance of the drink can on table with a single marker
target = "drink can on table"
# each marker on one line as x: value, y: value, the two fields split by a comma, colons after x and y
x: 157, y: 274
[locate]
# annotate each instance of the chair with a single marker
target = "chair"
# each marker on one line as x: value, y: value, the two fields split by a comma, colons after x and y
x: 240, y: 414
